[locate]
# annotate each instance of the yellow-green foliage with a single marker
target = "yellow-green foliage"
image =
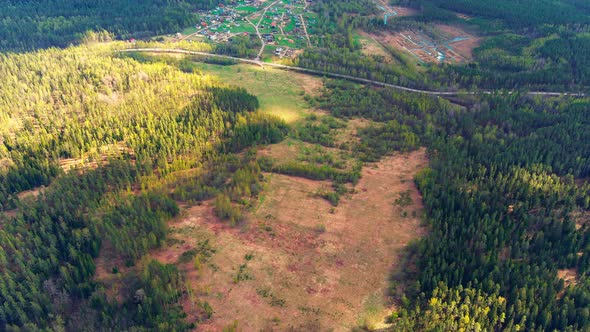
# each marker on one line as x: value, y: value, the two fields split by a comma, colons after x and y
x: 82, y: 105
x: 457, y: 309
x: 81, y: 89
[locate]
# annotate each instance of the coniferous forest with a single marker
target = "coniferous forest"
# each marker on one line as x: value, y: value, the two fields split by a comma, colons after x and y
x: 128, y: 123
x: 27, y: 25
x: 100, y: 149
x: 507, y: 203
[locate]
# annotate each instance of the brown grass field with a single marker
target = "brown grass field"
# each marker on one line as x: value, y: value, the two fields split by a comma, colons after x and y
x: 425, y: 46
x: 371, y: 46
x: 404, y: 11
x: 298, y: 263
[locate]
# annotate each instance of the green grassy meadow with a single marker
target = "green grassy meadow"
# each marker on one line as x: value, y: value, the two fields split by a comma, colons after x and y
x: 276, y: 90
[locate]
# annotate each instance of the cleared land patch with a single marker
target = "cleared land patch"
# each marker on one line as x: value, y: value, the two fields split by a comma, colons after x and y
x: 388, y: 12
x: 292, y: 150
x: 280, y: 93
x: 371, y: 47
x: 442, y: 44
x: 460, y: 41
x: 404, y: 11
x: 298, y: 262
x: 569, y: 276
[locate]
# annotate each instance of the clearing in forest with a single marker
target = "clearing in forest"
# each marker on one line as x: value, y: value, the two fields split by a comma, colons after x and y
x: 570, y: 277
x: 298, y: 262
x: 388, y: 12
x: 292, y: 150
x: 442, y: 44
x: 404, y: 11
x: 370, y: 46
x: 279, y: 92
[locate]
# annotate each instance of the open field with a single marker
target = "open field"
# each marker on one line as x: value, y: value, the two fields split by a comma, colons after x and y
x: 279, y: 92
x: 298, y: 262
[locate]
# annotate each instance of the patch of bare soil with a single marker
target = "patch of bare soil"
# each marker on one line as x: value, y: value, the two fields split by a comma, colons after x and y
x: 300, y: 263
x: 312, y: 85
x: 33, y: 193
x: 463, y: 47
x: 581, y: 218
x: 10, y: 214
x: 404, y: 11
x: 449, y: 44
x: 371, y: 46
x: 569, y: 277
x: 284, y: 151
x: 348, y: 136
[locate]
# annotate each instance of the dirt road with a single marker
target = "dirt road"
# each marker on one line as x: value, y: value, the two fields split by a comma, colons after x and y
x: 348, y: 77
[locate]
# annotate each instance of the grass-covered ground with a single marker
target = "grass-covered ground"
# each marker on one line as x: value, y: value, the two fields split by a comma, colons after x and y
x: 279, y: 92
x: 248, y: 9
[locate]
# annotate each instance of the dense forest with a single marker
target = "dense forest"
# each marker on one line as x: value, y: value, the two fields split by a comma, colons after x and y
x: 25, y: 25
x: 529, y: 44
x: 508, y: 210
x: 520, y: 14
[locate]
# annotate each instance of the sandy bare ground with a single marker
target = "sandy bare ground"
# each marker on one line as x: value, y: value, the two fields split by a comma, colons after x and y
x: 298, y: 263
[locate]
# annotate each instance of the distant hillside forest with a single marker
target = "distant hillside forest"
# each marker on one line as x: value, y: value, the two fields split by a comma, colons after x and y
x: 519, y: 14
x: 30, y: 24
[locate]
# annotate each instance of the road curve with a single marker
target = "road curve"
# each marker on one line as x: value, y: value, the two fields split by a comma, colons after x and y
x: 345, y: 77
